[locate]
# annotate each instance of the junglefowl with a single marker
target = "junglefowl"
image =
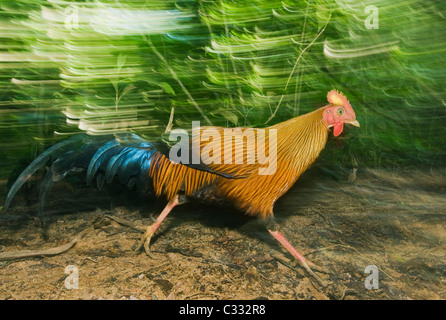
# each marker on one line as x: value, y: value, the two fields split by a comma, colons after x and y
x: 134, y: 161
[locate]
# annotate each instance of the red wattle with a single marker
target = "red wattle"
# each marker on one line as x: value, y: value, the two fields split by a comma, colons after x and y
x: 337, y: 129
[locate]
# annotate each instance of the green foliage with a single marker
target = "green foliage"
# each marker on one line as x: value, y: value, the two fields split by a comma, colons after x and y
x: 114, y: 66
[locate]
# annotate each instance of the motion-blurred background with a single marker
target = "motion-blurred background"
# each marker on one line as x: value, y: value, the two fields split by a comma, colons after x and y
x: 149, y: 66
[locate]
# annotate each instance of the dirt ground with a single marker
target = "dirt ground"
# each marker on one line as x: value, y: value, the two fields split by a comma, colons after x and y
x: 396, y: 222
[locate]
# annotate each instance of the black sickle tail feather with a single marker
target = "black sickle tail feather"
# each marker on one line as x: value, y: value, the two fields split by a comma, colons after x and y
x: 125, y: 156
x: 39, y: 162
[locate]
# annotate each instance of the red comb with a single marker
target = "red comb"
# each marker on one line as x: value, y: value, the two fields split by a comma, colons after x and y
x: 338, y: 99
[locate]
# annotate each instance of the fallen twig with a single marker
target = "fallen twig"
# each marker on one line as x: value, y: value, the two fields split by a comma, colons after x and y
x: 126, y: 223
x: 21, y: 254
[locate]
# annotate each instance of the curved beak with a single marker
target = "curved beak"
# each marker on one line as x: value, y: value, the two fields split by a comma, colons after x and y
x: 354, y: 123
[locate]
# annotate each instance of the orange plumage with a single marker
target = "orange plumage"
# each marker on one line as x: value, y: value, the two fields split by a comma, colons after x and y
x: 299, y: 142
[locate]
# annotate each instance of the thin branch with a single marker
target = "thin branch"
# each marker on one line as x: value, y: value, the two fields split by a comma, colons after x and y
x: 294, y: 68
x: 126, y: 223
x: 21, y: 254
x: 169, y: 125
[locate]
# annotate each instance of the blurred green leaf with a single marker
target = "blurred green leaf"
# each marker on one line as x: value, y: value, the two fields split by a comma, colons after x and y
x: 127, y: 89
x: 122, y: 58
x: 167, y: 88
x: 228, y: 115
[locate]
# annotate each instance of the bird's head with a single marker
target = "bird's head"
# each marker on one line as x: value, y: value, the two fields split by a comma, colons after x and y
x: 338, y: 112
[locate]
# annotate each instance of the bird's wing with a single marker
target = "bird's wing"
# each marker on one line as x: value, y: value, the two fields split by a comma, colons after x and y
x: 228, y: 152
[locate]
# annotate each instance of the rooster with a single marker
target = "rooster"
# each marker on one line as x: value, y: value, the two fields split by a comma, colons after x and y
x: 137, y: 162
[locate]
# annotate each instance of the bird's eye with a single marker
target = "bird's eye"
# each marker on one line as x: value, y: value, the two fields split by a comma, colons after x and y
x: 340, y: 111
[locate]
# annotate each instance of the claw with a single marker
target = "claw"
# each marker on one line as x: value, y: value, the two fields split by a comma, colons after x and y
x: 304, y: 262
x: 318, y: 268
x: 150, y: 231
x: 311, y: 266
x: 145, y: 241
x: 147, y: 248
x: 146, y: 245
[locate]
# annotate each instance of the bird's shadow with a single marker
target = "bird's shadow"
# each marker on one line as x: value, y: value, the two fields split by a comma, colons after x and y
x: 73, y: 196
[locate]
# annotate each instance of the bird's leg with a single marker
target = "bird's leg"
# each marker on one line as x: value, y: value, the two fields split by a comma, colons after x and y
x: 150, y: 231
x: 284, y: 242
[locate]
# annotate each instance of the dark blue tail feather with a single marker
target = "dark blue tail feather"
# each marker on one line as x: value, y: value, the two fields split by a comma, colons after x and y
x: 99, y: 157
x: 125, y: 156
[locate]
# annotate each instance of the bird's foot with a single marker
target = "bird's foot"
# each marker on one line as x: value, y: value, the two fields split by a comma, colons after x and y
x: 309, y: 266
x: 304, y: 262
x: 144, y: 243
x: 318, y: 268
x: 150, y: 231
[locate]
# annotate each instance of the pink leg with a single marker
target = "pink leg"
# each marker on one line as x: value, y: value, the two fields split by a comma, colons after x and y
x: 284, y: 242
x: 150, y: 231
